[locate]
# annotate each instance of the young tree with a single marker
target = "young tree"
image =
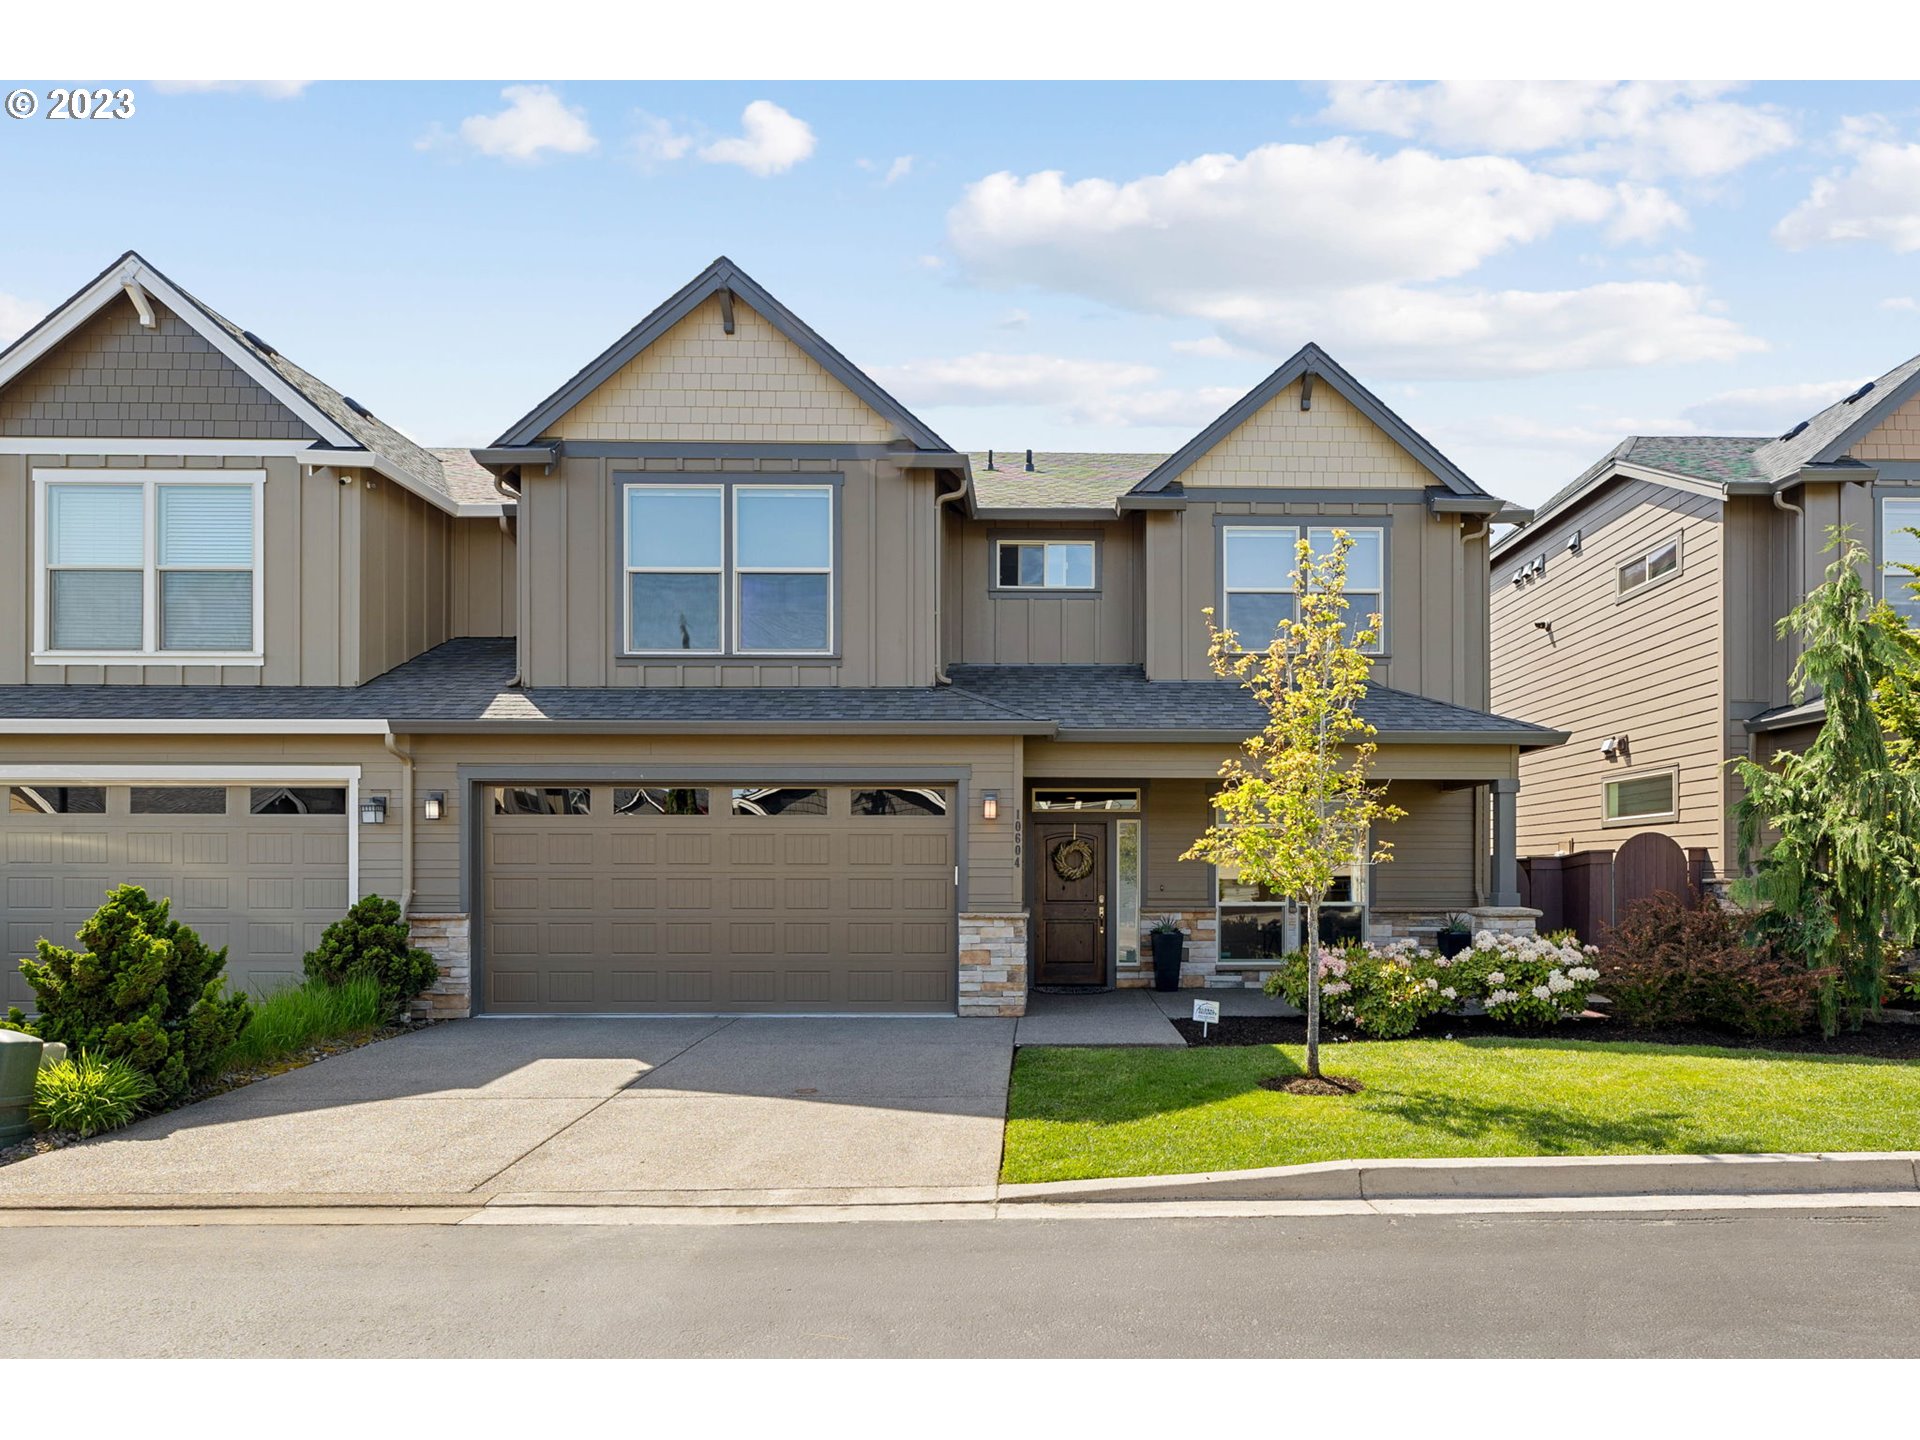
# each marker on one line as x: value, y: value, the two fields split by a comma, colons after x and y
x: 1842, y: 871
x: 1296, y: 805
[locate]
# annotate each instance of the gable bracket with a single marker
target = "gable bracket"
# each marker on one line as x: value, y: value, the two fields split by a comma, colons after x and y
x: 726, y: 309
x: 137, y: 293
x: 1306, y: 391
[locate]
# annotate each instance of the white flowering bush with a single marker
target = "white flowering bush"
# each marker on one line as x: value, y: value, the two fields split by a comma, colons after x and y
x: 1527, y: 980
x: 1383, y: 990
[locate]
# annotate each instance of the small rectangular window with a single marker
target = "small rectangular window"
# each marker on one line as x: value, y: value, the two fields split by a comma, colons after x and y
x: 178, y: 800
x: 57, y: 800
x: 1649, y: 566
x: 1900, y: 556
x: 783, y: 568
x: 906, y: 801
x: 1045, y: 565
x: 297, y: 800
x: 779, y: 800
x: 1086, y: 799
x: 1641, y: 797
x: 528, y: 800
x: 660, y: 801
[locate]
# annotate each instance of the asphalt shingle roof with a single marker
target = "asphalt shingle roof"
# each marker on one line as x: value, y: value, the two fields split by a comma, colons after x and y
x: 1782, y: 457
x: 467, y: 480
x: 1059, y: 480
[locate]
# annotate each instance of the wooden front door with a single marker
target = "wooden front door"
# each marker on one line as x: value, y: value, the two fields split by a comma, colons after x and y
x: 1070, y: 910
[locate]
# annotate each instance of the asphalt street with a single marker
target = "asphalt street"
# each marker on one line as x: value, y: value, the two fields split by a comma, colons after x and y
x: 1838, y: 1282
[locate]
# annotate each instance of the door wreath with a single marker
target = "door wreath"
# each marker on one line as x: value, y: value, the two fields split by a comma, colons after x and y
x: 1073, y: 859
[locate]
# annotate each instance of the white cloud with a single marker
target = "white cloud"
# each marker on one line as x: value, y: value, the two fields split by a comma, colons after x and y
x: 1013, y: 320
x: 17, y: 316
x: 1637, y: 128
x: 1764, y: 409
x: 1333, y: 242
x: 535, y: 122
x: 900, y: 167
x: 987, y: 378
x: 1900, y: 302
x: 1207, y: 347
x: 771, y: 141
x: 656, y: 142
x: 1645, y: 213
x: 1181, y: 409
x: 1876, y: 198
x: 1681, y: 264
x: 266, y: 89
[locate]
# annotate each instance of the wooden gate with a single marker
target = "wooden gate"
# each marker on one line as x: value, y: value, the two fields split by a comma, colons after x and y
x: 1646, y: 865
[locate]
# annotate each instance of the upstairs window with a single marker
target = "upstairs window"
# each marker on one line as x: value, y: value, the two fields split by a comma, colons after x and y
x: 1898, y: 549
x: 1650, y: 567
x: 1043, y: 564
x: 136, y: 565
x: 705, y: 577
x: 1258, y: 562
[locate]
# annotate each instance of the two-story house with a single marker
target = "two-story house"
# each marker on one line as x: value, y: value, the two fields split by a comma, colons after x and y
x: 719, y: 683
x: 1638, y: 611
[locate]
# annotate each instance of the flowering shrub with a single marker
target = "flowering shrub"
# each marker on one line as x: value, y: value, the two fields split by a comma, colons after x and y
x: 1383, y: 990
x: 1528, y: 980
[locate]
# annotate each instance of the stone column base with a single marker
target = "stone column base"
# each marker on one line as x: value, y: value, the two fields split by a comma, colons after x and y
x: 993, y: 963
x: 449, y: 939
x: 1505, y: 919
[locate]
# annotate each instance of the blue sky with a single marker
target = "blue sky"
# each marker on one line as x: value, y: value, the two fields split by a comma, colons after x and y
x: 1525, y: 271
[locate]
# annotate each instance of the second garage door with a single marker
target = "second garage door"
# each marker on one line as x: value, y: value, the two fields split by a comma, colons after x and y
x: 718, y: 898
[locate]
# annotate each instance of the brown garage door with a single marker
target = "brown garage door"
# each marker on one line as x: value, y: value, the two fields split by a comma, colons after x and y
x: 711, y: 898
x: 261, y: 869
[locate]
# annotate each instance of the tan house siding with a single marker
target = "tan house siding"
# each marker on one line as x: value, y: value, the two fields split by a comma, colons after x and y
x: 403, y: 591
x: 696, y: 382
x: 480, y: 578
x: 569, y: 542
x: 1332, y: 444
x: 987, y: 626
x: 1437, y: 862
x: 1895, y: 438
x: 114, y: 379
x: 1649, y: 666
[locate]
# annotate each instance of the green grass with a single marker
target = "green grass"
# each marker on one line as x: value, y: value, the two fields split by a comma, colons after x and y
x: 1079, y: 1114
x: 289, y: 1020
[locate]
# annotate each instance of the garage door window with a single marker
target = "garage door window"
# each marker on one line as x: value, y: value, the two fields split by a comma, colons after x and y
x: 178, y: 800
x: 680, y: 800
x: 298, y: 800
x: 524, y: 800
x: 779, y: 800
x: 57, y: 800
x: 908, y: 801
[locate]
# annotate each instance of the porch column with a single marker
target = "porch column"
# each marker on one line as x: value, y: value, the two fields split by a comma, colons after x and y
x: 1506, y: 865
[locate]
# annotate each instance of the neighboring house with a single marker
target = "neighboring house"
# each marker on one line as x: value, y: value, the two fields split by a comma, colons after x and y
x: 1637, y: 611
x: 719, y: 683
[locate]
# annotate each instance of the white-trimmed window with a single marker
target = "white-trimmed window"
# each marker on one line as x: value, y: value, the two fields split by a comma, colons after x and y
x: 1650, y: 567
x: 1258, y: 562
x: 1897, y: 549
x: 1635, y: 799
x: 705, y: 577
x: 136, y: 565
x: 1043, y: 564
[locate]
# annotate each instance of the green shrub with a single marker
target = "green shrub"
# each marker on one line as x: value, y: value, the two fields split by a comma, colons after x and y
x: 146, y: 990
x: 290, y: 1020
x: 88, y: 1095
x: 1384, y: 990
x: 371, y: 939
x: 1668, y: 964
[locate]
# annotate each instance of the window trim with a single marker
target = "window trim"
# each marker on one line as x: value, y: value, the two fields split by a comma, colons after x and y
x: 1000, y: 542
x: 1303, y: 527
x: 1905, y: 497
x: 1665, y: 817
x: 738, y: 571
x: 628, y: 569
x: 149, y: 482
x: 1677, y: 541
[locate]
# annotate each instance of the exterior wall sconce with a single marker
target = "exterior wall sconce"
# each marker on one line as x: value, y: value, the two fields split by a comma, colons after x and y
x: 990, y: 804
x: 373, y: 810
x: 431, y: 807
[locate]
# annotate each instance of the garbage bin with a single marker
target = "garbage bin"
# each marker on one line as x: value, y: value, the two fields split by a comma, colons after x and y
x: 19, y: 1061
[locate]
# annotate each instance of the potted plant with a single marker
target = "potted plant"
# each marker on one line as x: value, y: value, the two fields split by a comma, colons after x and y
x: 1168, y: 943
x: 1455, y: 936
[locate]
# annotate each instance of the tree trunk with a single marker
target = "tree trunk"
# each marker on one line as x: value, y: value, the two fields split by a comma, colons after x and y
x: 1313, y: 988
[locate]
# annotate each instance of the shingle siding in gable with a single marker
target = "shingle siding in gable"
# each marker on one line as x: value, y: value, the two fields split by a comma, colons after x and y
x: 1895, y: 438
x: 1330, y: 445
x: 113, y: 378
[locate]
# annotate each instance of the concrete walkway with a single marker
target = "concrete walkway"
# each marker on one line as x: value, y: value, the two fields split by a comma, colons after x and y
x: 1129, y: 1017
x: 674, y: 1110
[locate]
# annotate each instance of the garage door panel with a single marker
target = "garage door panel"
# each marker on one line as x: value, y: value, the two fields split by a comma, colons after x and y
x: 753, y: 987
x: 684, y: 938
x: 325, y: 893
x: 754, y: 892
x: 920, y: 937
x: 635, y: 892
x: 510, y: 893
x: 631, y: 850
x: 752, y: 849
x: 687, y: 987
x: 209, y: 892
x: 926, y: 849
x: 635, y: 987
x: 269, y: 849
x: 687, y: 892
x: 751, y: 937
x: 634, y: 937
x: 809, y: 849
x: 808, y: 894
x: 807, y: 937
x: 29, y: 892
x: 149, y: 848
x: 870, y: 937
x: 262, y: 894
x: 687, y: 850
x: 202, y: 849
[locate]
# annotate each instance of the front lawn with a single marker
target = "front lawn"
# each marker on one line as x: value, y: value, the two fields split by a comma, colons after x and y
x: 1083, y: 1113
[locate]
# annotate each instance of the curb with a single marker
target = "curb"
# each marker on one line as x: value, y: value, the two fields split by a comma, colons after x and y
x: 1548, y: 1177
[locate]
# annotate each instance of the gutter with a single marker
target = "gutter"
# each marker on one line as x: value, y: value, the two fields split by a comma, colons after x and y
x: 405, y: 757
x: 1526, y: 740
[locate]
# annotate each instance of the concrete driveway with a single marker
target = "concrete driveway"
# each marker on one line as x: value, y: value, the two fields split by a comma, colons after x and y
x: 748, y: 1110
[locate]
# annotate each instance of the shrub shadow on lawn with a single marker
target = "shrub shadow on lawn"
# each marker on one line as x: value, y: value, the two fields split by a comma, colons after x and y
x: 1732, y: 1049
x: 1554, y: 1132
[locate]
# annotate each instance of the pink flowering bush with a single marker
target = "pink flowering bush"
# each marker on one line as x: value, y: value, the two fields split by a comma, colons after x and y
x: 1527, y: 980
x: 1383, y: 990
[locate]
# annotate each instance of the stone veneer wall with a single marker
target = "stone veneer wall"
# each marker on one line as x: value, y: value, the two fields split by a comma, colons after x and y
x: 1199, y: 962
x: 449, y: 939
x: 993, y: 963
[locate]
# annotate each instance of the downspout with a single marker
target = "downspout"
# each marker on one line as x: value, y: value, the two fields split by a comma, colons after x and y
x: 1780, y: 502
x: 940, y: 676
x: 405, y: 757
x: 512, y: 493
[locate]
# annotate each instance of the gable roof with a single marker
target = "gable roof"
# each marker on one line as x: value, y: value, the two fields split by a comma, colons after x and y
x: 1059, y: 480
x: 1826, y: 437
x: 342, y: 425
x: 1310, y: 359
x: 721, y: 275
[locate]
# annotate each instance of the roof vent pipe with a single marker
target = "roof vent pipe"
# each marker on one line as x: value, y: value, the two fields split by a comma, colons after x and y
x: 990, y: 459
x: 1029, y: 460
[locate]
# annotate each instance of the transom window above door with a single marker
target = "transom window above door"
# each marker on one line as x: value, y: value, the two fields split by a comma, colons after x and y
x: 1043, y: 564
x: 135, y: 565
x: 728, y: 568
x: 1257, y: 565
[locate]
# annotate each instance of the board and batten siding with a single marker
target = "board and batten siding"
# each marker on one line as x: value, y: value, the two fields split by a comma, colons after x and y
x: 404, y: 600
x: 480, y: 579
x: 1439, y: 851
x: 1650, y: 666
x: 984, y: 625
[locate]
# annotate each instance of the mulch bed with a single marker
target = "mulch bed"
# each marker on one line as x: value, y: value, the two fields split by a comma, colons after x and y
x: 1307, y: 1085
x: 1888, y: 1042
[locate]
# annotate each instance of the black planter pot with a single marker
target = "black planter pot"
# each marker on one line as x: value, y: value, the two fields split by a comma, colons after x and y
x: 1454, y: 942
x: 1167, y: 949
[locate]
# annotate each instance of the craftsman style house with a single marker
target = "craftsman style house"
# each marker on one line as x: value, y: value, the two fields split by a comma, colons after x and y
x: 718, y: 683
x: 1638, y: 611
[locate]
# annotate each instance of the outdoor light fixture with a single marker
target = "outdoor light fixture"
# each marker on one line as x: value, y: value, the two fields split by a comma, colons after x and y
x: 990, y: 804
x: 430, y: 807
x: 373, y: 810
